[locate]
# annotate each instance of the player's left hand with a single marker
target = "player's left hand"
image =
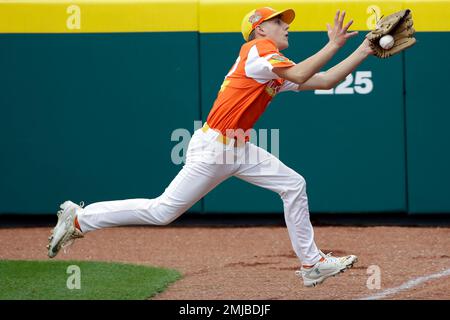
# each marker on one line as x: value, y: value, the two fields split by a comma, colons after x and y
x: 366, y: 48
x: 338, y: 35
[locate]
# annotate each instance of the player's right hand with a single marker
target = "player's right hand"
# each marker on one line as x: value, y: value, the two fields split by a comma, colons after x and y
x: 337, y: 34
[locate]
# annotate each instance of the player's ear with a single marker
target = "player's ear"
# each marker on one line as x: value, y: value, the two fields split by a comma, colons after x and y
x: 260, y: 30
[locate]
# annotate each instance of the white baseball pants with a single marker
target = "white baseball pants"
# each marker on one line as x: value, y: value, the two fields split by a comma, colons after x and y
x: 208, y: 163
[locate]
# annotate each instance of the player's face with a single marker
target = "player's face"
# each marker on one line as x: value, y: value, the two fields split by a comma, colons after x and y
x: 277, y: 30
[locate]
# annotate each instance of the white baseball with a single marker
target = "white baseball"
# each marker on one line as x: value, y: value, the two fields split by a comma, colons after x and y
x: 387, y: 42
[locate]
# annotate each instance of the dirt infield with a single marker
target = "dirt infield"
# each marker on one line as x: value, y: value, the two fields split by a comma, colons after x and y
x: 258, y: 262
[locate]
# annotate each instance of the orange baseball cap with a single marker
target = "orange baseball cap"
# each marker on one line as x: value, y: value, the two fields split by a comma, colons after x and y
x: 255, y: 17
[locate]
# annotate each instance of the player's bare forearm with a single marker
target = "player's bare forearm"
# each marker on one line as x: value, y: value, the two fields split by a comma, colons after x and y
x: 340, y: 71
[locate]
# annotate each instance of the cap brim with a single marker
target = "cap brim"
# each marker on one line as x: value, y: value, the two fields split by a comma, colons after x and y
x: 287, y: 15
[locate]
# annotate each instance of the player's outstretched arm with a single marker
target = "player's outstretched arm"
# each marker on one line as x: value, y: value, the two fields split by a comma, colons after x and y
x: 337, y: 35
x: 340, y: 71
x: 330, y: 78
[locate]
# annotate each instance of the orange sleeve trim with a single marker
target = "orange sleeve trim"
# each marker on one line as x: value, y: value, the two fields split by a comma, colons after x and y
x: 279, y: 64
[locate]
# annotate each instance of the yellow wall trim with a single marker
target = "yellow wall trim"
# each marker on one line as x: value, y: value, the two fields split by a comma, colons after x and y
x: 83, y: 16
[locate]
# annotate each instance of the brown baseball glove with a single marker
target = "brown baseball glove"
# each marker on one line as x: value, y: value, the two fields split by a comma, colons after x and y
x: 400, y: 26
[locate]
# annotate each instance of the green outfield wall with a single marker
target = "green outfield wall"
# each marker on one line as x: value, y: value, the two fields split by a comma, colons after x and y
x: 92, y: 94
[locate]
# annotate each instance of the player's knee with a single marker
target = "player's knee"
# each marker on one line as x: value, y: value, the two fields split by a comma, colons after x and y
x: 166, y: 218
x: 295, y: 184
x: 298, y: 181
x: 298, y: 184
x: 161, y: 220
x: 167, y: 215
x: 164, y: 222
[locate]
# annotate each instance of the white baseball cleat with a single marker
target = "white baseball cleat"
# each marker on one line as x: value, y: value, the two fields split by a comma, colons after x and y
x: 65, y: 232
x: 330, y: 266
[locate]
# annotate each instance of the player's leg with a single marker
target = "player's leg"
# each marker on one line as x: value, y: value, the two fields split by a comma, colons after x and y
x: 193, y: 182
x: 265, y: 170
x: 201, y: 173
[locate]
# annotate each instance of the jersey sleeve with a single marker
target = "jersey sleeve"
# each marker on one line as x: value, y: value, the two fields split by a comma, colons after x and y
x: 262, y: 58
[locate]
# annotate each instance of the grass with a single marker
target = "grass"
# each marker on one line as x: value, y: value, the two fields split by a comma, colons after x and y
x: 51, y: 280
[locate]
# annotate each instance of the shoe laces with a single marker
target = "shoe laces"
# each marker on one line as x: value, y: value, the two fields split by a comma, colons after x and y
x: 75, y: 235
x: 328, y: 255
x: 60, y: 211
x: 330, y: 258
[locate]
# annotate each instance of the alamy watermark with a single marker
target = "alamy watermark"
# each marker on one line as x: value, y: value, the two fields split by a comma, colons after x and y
x: 374, y: 280
x: 229, y: 148
x: 74, y: 278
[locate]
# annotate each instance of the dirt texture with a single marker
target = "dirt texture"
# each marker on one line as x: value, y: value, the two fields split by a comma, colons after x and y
x: 258, y: 262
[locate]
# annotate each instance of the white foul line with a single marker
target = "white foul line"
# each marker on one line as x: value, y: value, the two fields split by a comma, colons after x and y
x: 407, y: 285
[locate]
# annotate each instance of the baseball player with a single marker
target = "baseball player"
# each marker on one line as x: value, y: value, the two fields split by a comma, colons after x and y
x: 221, y: 148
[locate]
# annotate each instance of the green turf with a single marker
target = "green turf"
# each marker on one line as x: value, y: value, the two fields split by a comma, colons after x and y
x: 98, y: 280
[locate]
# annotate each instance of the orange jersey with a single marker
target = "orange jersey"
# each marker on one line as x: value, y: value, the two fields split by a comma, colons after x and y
x: 249, y: 87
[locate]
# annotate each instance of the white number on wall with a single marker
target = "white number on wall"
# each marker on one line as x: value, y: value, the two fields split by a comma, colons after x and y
x: 360, y: 84
x: 344, y: 87
x: 363, y: 82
